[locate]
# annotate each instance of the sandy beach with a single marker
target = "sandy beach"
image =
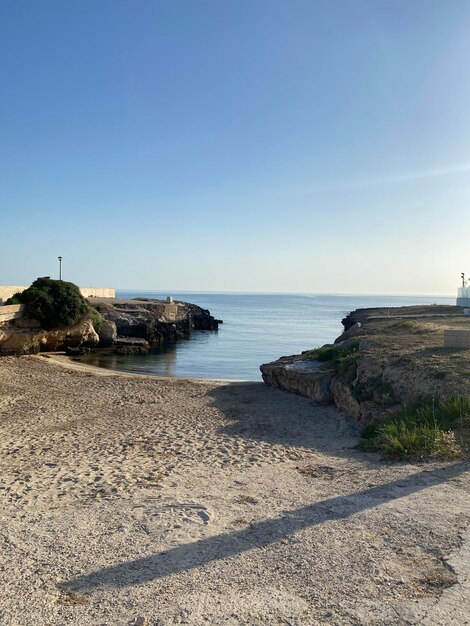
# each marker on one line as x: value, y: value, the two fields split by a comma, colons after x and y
x: 213, y: 503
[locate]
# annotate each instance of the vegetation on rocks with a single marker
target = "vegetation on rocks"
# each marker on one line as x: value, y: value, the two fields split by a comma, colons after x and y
x: 341, y: 358
x: 96, y: 318
x: 411, y: 326
x: 429, y: 429
x: 53, y: 303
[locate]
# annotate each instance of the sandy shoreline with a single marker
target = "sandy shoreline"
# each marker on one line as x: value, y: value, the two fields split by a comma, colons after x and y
x: 75, y: 364
x: 196, y: 502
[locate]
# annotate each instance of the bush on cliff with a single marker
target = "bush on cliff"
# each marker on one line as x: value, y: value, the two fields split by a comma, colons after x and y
x: 342, y: 358
x: 53, y: 303
x: 96, y: 318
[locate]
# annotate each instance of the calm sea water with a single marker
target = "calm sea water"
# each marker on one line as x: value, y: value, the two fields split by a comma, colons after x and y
x: 257, y: 328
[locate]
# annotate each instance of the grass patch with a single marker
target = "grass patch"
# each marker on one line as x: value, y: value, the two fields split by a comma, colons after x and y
x: 420, y: 431
x: 402, y: 325
x: 342, y: 358
x: 409, y: 325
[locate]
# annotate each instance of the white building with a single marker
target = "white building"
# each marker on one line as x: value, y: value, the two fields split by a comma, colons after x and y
x: 463, y: 297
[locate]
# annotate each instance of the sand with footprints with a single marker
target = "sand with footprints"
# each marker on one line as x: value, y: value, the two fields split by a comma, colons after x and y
x: 130, y: 499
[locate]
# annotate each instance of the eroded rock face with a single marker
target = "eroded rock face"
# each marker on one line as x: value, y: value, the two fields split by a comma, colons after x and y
x: 400, y: 359
x: 107, y: 333
x: 20, y: 341
x: 368, y: 368
x: 342, y: 396
x: 31, y: 339
x: 146, y: 319
x: 131, y: 345
x: 80, y: 335
x: 306, y: 378
x: 149, y: 320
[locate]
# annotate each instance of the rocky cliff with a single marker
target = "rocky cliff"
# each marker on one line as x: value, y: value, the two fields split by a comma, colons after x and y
x: 385, y: 358
x: 155, y: 320
x: 125, y: 325
x: 25, y: 336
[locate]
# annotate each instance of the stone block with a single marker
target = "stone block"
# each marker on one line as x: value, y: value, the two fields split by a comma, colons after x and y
x: 457, y: 338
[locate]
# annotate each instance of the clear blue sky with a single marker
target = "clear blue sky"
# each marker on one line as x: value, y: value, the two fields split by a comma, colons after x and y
x: 257, y: 145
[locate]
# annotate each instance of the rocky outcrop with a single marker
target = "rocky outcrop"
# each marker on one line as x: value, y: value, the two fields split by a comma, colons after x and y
x: 143, y: 320
x: 26, y: 337
x: 399, y: 358
x: 362, y: 316
x: 80, y: 335
x: 201, y: 319
x: 131, y: 345
x: 107, y: 333
x: 19, y: 340
x: 306, y: 378
x: 342, y: 396
x: 358, y: 391
x: 148, y: 319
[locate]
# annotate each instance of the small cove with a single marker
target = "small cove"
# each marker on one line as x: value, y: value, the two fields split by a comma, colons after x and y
x: 257, y: 328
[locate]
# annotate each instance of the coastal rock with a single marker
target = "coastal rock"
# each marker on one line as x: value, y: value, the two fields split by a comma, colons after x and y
x: 77, y: 351
x: 26, y: 323
x: 20, y: 341
x: 131, y: 345
x: 368, y: 368
x: 80, y: 335
x: 201, y: 318
x: 351, y: 333
x: 374, y: 412
x: 399, y: 359
x: 341, y: 394
x: 107, y: 333
x: 307, y: 378
x: 155, y: 320
x: 152, y: 321
x: 130, y: 350
x: 27, y: 338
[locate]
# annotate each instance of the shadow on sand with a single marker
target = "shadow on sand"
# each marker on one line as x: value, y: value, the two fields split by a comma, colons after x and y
x: 283, y: 417
x: 199, y: 553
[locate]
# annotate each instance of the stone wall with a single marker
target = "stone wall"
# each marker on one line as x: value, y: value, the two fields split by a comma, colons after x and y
x: 8, y: 291
x: 98, y: 292
x: 88, y: 292
x: 11, y: 312
x: 457, y: 338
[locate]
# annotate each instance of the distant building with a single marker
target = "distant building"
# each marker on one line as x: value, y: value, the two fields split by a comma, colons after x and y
x: 463, y: 297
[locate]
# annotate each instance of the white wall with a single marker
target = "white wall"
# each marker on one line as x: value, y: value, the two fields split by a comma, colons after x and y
x: 6, y: 291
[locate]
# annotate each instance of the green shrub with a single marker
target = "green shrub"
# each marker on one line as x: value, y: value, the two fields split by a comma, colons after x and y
x: 53, y: 303
x: 96, y: 318
x: 419, y: 431
x: 14, y: 299
x: 342, y: 358
x: 332, y: 354
x: 324, y: 354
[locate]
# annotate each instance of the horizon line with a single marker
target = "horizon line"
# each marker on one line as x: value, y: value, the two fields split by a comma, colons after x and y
x: 287, y: 293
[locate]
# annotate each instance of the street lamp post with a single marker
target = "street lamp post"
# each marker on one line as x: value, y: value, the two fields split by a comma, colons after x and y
x: 60, y: 267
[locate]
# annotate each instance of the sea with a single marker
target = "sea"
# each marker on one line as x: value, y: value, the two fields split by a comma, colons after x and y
x: 257, y: 328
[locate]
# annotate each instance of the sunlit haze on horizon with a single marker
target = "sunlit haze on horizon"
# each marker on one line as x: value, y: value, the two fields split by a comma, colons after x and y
x: 256, y: 146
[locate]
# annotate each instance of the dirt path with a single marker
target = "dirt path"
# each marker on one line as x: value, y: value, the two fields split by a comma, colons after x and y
x: 202, y: 503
